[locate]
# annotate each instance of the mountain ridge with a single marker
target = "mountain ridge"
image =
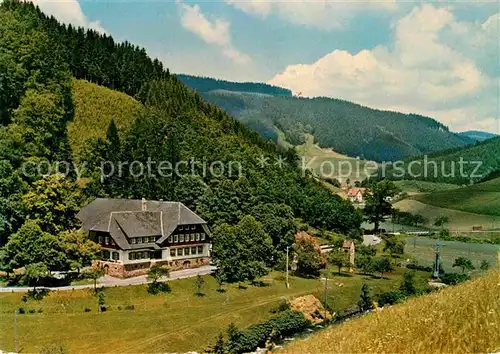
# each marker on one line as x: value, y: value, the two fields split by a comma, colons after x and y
x: 346, y: 127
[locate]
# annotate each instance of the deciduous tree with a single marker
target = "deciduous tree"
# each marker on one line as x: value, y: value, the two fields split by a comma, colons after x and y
x: 463, y: 263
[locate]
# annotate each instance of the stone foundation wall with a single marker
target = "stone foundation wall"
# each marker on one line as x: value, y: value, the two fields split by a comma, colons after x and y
x: 120, y: 270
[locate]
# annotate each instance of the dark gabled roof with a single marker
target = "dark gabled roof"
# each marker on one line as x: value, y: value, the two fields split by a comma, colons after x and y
x: 124, y: 218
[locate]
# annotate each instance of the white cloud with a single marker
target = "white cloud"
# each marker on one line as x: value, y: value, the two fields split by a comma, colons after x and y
x: 68, y: 11
x: 215, y: 32
x: 434, y: 67
x: 325, y: 14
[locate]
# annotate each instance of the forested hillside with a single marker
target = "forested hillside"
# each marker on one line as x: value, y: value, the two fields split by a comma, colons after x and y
x: 346, y: 127
x: 95, y: 108
x: 478, y: 135
x: 222, y: 176
x: 207, y: 84
x: 480, y: 162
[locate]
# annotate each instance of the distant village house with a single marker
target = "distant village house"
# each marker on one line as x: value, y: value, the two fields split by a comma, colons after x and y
x: 356, y: 195
x: 136, y: 234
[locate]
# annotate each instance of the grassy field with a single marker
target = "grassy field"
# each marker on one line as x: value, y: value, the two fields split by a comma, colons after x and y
x: 460, y: 319
x: 481, y: 198
x: 175, y: 322
x: 459, y: 220
x: 417, y: 187
x: 343, y: 166
x: 422, y: 249
x: 95, y: 107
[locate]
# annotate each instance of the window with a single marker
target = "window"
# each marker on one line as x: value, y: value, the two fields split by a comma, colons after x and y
x: 200, y: 249
x: 152, y: 239
x: 113, y: 242
x: 101, y: 239
x: 131, y: 256
x: 116, y: 256
x: 193, y: 250
x: 203, y: 236
x: 197, y: 237
x: 192, y: 237
x: 133, y: 240
x: 172, y: 252
x: 181, y: 238
x: 170, y: 239
x: 105, y: 254
x: 186, y: 251
x: 181, y: 227
x: 176, y: 238
x: 179, y: 252
x: 193, y: 227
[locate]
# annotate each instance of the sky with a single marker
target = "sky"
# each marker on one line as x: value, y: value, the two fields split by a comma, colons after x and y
x: 440, y: 59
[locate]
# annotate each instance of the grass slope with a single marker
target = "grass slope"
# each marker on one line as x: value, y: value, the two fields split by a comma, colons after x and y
x: 176, y: 322
x: 417, y: 187
x: 328, y: 163
x: 460, y: 319
x: 481, y: 198
x: 459, y: 220
x: 95, y: 107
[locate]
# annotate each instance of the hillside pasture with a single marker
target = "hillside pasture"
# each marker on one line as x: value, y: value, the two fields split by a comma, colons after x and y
x: 328, y: 163
x: 460, y: 319
x: 417, y: 187
x: 458, y: 220
x: 174, y: 322
x: 481, y: 198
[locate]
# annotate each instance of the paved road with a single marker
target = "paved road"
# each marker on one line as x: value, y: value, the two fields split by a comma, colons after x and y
x: 108, y: 281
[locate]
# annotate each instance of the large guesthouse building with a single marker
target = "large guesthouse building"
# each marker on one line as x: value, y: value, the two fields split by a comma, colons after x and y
x: 136, y: 234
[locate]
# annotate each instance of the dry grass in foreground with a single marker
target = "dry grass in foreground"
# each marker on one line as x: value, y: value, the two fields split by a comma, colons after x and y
x: 461, y: 319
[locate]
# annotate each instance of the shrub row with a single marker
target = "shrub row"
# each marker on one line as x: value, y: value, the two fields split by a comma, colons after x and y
x: 467, y: 239
x: 419, y: 267
x: 22, y: 311
x: 286, y: 324
x: 454, y: 278
x: 391, y: 298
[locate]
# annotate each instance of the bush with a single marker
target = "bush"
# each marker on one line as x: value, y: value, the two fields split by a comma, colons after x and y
x: 157, y: 288
x: 31, y: 311
x: 35, y: 294
x: 87, y: 309
x: 454, y: 278
x: 282, y: 306
x: 21, y: 311
x: 54, y: 349
x: 390, y: 298
x: 366, y: 250
x: 422, y: 268
x: 130, y: 307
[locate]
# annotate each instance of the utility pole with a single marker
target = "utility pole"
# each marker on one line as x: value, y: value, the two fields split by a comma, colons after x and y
x: 326, y: 295
x: 438, y: 259
x: 287, y: 283
x: 15, y: 332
